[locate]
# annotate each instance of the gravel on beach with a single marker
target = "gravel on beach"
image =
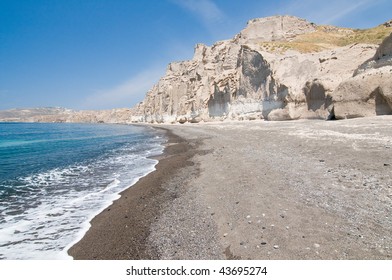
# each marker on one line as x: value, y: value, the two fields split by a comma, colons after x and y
x: 257, y: 190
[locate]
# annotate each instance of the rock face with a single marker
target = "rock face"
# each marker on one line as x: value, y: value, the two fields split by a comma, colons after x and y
x: 276, y: 28
x: 271, y: 70
x: 369, y: 91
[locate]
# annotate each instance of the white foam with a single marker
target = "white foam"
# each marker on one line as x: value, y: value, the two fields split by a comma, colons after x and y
x: 61, y: 203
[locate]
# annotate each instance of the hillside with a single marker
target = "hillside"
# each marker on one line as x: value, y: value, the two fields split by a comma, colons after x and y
x: 329, y: 37
x: 32, y: 113
x: 60, y: 115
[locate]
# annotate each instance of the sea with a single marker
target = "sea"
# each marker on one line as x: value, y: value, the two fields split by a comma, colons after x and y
x: 55, y: 177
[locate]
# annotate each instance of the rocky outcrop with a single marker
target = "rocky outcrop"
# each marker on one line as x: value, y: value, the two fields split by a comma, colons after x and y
x: 369, y: 91
x: 240, y: 79
x: 275, y: 28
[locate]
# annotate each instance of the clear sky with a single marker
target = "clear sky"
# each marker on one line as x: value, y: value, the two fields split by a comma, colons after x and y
x: 101, y: 54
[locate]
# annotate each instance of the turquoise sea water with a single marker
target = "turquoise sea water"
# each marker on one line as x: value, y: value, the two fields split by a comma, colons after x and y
x: 55, y: 177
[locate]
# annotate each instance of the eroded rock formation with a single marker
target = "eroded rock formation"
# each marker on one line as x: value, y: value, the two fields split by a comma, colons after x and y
x: 369, y: 91
x: 277, y: 68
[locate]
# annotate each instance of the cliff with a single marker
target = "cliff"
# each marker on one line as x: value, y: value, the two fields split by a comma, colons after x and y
x: 369, y: 91
x: 277, y: 68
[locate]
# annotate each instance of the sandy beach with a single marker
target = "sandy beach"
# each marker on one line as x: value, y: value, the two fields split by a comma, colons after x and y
x: 305, y: 189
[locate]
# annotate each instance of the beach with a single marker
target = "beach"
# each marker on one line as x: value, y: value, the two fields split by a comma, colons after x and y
x: 306, y: 189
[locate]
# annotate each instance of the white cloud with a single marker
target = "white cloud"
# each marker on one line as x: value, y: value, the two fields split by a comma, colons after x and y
x: 206, y: 10
x: 125, y: 94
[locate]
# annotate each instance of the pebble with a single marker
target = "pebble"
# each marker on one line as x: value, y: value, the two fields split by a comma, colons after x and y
x: 316, y: 245
x: 225, y: 234
x: 276, y: 246
x: 249, y: 222
x: 287, y: 227
x: 248, y: 217
x: 263, y: 243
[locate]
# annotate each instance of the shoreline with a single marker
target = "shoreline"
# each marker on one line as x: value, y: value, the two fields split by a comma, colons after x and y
x: 47, y: 208
x: 257, y: 190
x: 139, y: 205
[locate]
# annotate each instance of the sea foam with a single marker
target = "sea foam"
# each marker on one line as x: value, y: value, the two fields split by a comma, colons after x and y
x: 43, y: 214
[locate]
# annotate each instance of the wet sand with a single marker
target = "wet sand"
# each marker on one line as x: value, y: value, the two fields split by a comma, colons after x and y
x: 257, y: 190
x: 121, y: 231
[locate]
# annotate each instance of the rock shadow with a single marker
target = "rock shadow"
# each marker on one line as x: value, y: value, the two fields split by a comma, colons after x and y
x: 381, y: 105
x: 316, y: 97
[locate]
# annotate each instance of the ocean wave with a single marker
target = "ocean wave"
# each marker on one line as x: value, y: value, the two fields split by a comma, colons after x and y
x: 44, y: 213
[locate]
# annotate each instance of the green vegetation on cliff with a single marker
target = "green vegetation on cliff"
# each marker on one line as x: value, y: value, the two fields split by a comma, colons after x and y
x: 328, y: 37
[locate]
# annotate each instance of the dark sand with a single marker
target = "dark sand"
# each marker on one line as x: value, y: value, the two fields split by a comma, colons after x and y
x: 120, y: 232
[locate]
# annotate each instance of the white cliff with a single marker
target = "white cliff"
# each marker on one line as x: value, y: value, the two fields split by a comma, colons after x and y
x: 277, y: 68
x: 369, y: 91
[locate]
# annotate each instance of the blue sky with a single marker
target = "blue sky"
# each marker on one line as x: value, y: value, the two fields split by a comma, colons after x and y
x: 101, y: 54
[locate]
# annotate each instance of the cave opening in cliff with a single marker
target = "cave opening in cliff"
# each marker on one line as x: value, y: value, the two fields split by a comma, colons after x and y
x: 315, y: 96
x: 331, y: 116
x: 381, y: 105
x: 218, y: 104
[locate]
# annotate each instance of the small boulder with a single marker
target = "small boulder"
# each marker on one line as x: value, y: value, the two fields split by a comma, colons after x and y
x: 182, y: 120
